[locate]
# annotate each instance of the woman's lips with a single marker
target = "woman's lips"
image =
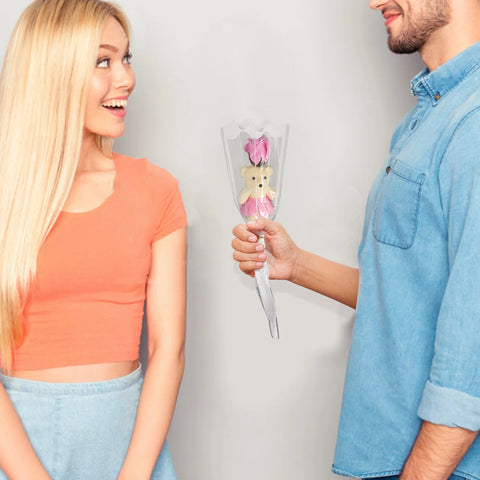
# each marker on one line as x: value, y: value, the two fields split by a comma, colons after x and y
x: 116, y: 105
x: 118, y: 112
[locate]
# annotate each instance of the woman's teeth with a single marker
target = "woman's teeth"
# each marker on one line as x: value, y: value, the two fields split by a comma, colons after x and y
x: 115, y: 103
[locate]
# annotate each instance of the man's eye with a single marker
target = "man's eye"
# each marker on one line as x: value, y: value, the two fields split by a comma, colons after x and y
x: 103, y: 63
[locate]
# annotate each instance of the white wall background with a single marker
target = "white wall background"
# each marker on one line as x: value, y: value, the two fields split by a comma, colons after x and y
x: 249, y: 407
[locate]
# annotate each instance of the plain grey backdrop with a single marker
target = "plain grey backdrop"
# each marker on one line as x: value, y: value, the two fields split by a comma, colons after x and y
x: 250, y: 407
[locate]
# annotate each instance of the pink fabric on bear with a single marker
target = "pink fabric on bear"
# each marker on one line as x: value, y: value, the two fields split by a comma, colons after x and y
x: 261, y: 207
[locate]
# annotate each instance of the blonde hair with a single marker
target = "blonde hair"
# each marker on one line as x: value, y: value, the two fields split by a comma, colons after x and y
x: 43, y: 93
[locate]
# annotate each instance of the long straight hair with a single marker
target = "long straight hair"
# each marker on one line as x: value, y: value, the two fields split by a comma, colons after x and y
x: 44, y: 86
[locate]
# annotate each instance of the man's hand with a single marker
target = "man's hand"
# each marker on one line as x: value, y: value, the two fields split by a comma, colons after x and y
x: 288, y: 262
x: 280, y: 252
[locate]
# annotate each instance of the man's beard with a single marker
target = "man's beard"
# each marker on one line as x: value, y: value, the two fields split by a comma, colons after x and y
x: 435, y: 14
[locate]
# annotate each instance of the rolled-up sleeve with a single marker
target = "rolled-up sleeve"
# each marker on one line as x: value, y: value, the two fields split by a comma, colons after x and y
x: 452, y: 395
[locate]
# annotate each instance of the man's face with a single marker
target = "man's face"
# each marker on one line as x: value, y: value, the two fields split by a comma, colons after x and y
x: 410, y: 23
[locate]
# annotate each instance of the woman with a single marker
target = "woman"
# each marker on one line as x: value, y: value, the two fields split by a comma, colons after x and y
x: 86, y: 235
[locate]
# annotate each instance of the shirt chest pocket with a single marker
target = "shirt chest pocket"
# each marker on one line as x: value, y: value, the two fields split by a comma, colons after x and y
x: 396, y: 208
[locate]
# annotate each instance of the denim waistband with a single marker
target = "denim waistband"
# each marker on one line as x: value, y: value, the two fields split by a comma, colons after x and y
x: 80, y: 388
x: 396, y: 477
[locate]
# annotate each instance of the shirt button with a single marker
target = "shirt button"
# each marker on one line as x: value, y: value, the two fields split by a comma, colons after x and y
x: 387, y: 170
x: 437, y: 96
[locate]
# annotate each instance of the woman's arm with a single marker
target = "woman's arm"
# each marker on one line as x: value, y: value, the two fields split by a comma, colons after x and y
x: 166, y: 298
x: 17, y: 458
x: 288, y: 262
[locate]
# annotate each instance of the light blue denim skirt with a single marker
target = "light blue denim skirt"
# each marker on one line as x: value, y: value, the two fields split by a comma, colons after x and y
x: 82, y: 430
x: 453, y: 477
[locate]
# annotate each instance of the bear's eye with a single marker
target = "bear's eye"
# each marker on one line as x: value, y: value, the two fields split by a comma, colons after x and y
x: 264, y: 178
x: 253, y: 178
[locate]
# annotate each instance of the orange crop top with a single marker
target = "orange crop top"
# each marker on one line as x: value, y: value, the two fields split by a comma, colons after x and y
x: 86, y: 305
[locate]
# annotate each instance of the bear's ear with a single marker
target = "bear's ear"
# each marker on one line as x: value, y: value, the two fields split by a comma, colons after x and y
x: 268, y: 170
x: 243, y: 171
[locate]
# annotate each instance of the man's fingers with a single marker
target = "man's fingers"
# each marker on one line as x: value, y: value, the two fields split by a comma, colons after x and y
x: 240, y: 256
x: 257, y: 225
x: 249, y: 254
x: 250, y: 267
x: 246, y: 247
x: 264, y: 225
x: 241, y: 232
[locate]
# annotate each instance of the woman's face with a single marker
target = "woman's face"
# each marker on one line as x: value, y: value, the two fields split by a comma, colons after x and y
x: 112, y: 82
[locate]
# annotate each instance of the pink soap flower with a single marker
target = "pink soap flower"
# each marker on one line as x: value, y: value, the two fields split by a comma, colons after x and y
x: 258, y: 149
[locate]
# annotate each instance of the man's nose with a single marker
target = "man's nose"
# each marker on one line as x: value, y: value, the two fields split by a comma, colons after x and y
x: 377, y: 4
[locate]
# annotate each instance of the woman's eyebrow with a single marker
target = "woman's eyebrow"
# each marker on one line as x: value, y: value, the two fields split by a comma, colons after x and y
x: 109, y: 47
x: 113, y: 48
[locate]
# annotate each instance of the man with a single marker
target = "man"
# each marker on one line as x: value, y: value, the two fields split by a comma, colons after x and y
x: 411, y: 406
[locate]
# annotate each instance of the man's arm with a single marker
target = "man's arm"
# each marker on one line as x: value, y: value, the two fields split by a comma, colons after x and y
x: 332, y: 279
x: 436, y: 452
x: 288, y: 262
x: 450, y: 407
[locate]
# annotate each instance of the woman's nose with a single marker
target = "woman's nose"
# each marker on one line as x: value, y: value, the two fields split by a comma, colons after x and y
x: 125, y: 78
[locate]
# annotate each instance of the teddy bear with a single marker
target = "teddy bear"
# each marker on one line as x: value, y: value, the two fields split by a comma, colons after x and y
x: 256, y: 198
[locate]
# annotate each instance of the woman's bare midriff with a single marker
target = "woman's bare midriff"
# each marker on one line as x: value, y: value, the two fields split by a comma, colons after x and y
x: 79, y: 373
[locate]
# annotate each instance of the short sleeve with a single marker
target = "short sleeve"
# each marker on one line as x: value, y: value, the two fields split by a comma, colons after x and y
x: 167, y: 205
x: 452, y: 394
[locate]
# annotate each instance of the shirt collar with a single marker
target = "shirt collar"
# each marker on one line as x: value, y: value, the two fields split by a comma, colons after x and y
x: 438, y: 83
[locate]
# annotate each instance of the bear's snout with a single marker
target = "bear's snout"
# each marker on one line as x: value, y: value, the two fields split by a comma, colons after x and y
x: 260, y: 185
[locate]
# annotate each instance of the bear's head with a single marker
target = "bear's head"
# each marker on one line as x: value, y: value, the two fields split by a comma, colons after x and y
x: 257, y: 179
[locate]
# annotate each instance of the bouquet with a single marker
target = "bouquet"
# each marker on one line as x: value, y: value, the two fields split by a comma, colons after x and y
x: 255, y: 157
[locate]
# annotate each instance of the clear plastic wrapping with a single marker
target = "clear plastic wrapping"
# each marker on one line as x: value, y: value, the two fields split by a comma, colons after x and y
x: 255, y: 156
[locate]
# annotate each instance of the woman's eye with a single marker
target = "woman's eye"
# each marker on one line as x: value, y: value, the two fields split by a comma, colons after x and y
x: 127, y: 58
x: 103, y: 62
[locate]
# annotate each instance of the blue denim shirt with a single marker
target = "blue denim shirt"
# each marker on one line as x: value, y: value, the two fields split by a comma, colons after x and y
x: 415, y: 351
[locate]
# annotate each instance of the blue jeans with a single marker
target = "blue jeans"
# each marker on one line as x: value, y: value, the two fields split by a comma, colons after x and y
x: 453, y: 477
x: 82, y: 430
